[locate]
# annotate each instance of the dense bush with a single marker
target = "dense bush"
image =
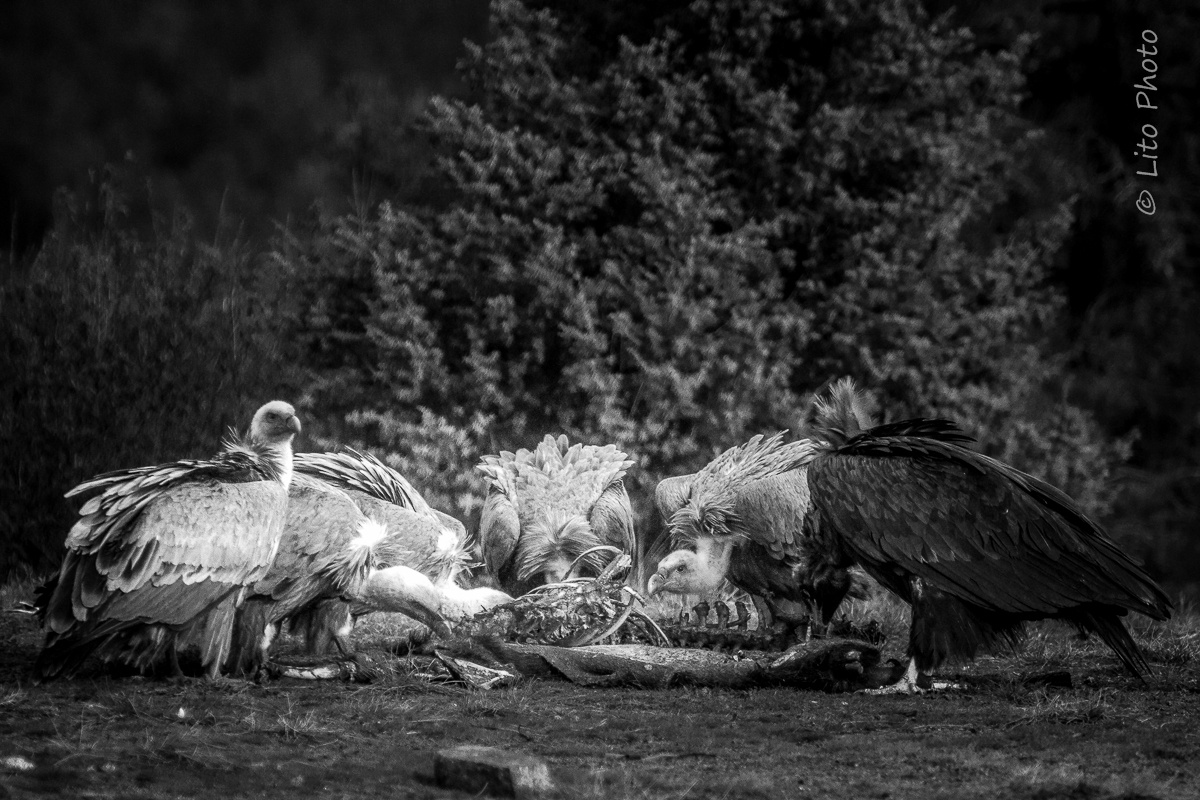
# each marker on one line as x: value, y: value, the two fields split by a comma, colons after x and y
x: 670, y: 242
x: 119, y: 348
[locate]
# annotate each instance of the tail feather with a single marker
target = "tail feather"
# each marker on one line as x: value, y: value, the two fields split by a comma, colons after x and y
x: 63, y: 654
x: 1108, y: 626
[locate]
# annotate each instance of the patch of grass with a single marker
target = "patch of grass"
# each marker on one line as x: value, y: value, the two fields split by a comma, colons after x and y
x: 1059, y: 710
x: 1044, y: 781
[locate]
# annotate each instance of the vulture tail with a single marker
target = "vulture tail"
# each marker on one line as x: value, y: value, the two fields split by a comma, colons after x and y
x: 65, y: 653
x: 1108, y: 626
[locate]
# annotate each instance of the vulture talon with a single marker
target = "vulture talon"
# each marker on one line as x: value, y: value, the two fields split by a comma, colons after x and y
x: 701, y: 612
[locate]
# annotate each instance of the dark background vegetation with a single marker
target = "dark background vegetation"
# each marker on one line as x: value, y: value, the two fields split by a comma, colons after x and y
x: 663, y: 224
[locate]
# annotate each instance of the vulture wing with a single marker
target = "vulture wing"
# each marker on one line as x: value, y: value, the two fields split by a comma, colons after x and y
x: 611, y: 518
x: 150, y: 527
x: 364, y: 473
x: 555, y: 476
x: 419, y: 537
x: 713, y: 507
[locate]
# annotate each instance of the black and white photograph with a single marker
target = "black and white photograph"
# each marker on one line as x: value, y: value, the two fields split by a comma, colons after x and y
x: 630, y: 399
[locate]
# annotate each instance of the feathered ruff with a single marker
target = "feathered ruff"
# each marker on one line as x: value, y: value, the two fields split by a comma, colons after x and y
x: 362, y: 472
x: 710, y: 510
x: 558, y: 536
x: 843, y: 413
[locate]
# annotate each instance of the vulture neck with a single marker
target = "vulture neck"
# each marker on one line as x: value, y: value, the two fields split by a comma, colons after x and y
x: 712, y: 561
x: 281, y: 454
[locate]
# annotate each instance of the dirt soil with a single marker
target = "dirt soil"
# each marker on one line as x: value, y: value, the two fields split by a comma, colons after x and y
x: 101, y: 736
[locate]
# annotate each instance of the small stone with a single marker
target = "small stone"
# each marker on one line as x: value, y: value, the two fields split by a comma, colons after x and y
x: 16, y: 764
x: 472, y: 768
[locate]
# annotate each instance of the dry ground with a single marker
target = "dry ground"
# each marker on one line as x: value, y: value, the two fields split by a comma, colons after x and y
x: 1108, y: 737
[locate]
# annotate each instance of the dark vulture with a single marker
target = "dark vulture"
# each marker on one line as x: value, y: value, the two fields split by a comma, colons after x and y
x: 417, y: 558
x: 547, y: 507
x: 976, y: 547
x: 161, y: 556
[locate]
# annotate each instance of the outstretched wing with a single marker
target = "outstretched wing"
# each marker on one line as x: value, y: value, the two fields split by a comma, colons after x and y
x: 970, y: 526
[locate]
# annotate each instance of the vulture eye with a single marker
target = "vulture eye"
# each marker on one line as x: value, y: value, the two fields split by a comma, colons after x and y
x: 679, y: 568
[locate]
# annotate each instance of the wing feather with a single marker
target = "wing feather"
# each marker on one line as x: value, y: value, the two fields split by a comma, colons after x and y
x: 982, y: 534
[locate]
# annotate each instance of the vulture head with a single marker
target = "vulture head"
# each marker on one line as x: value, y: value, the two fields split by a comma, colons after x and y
x: 698, y: 571
x: 271, y: 433
x: 274, y: 423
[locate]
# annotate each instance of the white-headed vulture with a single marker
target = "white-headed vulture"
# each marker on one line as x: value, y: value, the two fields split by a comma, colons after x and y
x: 548, y: 506
x: 162, y: 555
x: 976, y: 547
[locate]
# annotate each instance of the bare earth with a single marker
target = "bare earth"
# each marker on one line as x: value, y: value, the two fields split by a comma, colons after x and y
x: 1108, y: 737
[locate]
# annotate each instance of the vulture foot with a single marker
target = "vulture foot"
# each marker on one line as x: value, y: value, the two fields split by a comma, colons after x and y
x: 914, y: 682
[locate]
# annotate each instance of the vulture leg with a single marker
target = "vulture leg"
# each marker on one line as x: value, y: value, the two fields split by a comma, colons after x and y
x: 743, y: 615
x: 327, y: 625
x: 407, y: 591
x: 722, y: 610
x: 765, y: 618
x: 174, y: 671
x: 701, y: 612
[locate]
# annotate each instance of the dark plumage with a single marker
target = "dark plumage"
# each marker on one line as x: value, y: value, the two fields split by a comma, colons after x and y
x: 160, y: 556
x: 977, y: 547
x: 548, y: 506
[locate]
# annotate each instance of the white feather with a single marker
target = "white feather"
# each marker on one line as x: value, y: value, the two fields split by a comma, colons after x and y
x: 370, y: 533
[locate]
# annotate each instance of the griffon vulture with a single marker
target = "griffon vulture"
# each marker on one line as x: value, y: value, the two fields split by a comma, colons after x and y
x: 416, y: 563
x: 162, y: 555
x: 769, y: 564
x: 330, y: 550
x: 547, y: 507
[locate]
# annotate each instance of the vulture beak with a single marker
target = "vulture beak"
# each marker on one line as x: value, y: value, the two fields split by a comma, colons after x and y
x: 293, y: 424
x: 655, y: 584
x: 423, y: 612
